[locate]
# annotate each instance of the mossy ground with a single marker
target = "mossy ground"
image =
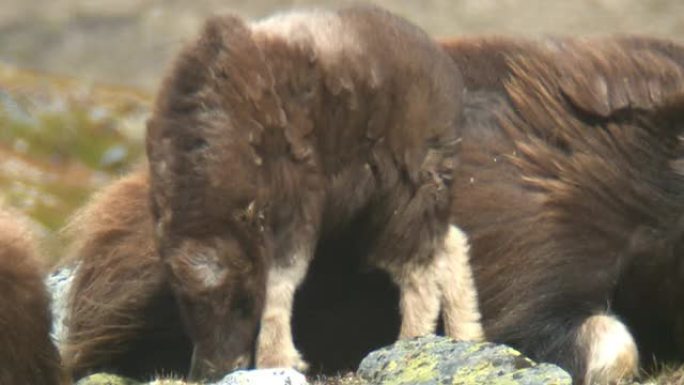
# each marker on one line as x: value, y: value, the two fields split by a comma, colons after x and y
x: 60, y: 140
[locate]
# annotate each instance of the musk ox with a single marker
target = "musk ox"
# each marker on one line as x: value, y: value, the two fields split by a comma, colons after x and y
x: 571, y: 190
x: 266, y: 137
x: 27, y: 354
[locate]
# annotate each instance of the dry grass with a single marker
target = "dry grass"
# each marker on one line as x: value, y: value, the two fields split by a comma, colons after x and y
x: 666, y: 375
x: 340, y: 379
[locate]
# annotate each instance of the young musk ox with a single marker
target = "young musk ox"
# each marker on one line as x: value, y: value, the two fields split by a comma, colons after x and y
x: 27, y: 354
x: 268, y: 136
x: 571, y: 190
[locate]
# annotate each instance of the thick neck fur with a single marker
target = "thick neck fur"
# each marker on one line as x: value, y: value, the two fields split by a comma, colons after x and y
x: 301, y: 102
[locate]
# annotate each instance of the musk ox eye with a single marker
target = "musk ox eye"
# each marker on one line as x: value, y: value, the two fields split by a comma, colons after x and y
x: 195, y: 144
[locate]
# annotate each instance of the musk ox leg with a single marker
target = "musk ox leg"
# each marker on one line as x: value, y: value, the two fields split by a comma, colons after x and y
x: 447, y: 281
x: 275, y: 346
x: 460, y: 309
x: 608, y: 350
x: 418, y: 302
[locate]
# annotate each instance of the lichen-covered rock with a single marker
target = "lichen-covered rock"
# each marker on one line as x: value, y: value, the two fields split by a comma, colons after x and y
x: 436, y: 360
x: 106, y: 379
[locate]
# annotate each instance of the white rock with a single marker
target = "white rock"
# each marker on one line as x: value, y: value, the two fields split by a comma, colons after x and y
x: 278, y: 376
x: 59, y: 284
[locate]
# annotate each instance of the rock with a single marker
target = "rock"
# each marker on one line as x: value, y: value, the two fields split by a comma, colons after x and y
x: 58, y: 283
x: 264, y: 377
x: 436, y: 360
x: 106, y: 379
x: 241, y: 377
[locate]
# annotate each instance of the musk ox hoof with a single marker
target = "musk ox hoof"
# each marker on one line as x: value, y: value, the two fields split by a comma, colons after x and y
x: 441, y: 360
x: 283, y: 359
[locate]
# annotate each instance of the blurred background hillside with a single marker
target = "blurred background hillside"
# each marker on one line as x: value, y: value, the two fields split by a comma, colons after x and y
x: 129, y: 42
x: 76, y: 75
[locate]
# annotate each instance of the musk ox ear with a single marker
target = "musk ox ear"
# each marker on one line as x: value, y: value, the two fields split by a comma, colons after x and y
x: 226, y: 69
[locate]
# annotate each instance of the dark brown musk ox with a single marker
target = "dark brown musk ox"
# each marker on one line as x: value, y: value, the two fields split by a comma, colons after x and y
x: 27, y: 354
x: 268, y: 136
x: 571, y: 191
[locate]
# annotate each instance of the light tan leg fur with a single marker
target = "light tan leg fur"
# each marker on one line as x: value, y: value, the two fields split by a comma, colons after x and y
x: 275, y: 347
x: 460, y: 308
x: 447, y: 281
x: 419, y: 302
x: 612, y: 352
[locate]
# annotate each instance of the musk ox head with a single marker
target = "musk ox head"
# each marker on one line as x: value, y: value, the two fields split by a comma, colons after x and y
x: 204, y: 197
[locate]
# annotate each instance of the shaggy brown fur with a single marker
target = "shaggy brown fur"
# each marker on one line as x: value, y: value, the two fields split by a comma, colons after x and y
x: 571, y: 189
x: 27, y: 354
x: 265, y: 137
x: 121, y: 315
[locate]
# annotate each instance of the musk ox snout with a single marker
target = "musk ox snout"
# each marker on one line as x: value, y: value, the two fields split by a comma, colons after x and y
x: 212, y: 362
x: 220, y: 292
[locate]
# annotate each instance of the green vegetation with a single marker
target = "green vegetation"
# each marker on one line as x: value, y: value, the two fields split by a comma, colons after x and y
x: 60, y: 140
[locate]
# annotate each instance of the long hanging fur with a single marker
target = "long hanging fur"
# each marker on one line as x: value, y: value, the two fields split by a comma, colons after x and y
x: 121, y: 316
x: 571, y: 190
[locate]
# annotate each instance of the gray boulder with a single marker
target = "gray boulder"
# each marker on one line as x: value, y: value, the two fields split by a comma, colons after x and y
x: 436, y: 360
